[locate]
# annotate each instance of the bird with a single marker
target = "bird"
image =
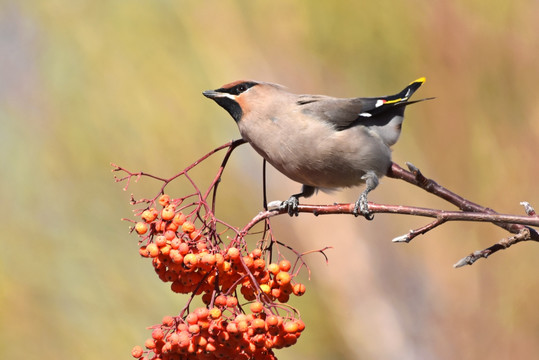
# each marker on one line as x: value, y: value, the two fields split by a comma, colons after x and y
x: 322, y: 142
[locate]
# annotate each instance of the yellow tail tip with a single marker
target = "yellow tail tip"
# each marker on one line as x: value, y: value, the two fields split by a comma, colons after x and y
x: 420, y: 80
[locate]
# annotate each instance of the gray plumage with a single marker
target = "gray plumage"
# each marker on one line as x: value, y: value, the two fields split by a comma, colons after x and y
x: 319, y: 141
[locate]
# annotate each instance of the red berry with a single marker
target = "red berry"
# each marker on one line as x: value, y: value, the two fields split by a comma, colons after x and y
x: 283, y: 278
x: 164, y: 200
x: 188, y: 227
x: 285, y: 265
x: 141, y: 228
x: 257, y: 307
x: 137, y: 351
x: 299, y: 289
x: 168, y: 212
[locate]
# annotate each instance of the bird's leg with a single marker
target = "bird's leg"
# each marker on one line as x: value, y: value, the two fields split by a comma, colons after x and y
x: 291, y: 205
x: 371, y: 182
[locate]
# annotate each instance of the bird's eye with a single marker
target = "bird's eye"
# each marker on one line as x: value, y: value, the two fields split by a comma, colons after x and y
x: 240, y: 88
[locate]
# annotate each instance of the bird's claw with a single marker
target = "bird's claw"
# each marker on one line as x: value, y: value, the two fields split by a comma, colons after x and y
x: 291, y: 206
x: 362, y: 206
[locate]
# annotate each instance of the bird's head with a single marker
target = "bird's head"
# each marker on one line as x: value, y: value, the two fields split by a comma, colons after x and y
x: 240, y: 97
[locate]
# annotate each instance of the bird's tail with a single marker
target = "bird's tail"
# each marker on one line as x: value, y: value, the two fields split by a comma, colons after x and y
x: 406, y: 93
x: 374, y: 106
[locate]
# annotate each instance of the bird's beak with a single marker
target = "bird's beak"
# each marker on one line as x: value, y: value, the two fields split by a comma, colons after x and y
x: 211, y: 94
x: 214, y: 94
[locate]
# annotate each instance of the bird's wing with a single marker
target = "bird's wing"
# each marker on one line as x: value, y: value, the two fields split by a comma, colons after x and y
x: 344, y: 113
x: 340, y: 113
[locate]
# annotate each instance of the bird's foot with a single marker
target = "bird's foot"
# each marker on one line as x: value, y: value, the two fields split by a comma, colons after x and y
x: 291, y: 206
x: 362, y: 207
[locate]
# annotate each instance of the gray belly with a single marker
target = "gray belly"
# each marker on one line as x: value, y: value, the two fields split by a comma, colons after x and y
x: 339, y: 160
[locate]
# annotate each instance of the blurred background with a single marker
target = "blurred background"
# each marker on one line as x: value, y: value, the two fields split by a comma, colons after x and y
x: 85, y: 83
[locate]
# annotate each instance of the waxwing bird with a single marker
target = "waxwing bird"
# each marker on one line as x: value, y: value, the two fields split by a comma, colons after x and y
x: 319, y: 141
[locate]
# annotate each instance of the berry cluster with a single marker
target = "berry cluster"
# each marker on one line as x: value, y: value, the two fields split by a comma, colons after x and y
x: 183, y: 255
x: 221, y: 332
x: 195, y: 261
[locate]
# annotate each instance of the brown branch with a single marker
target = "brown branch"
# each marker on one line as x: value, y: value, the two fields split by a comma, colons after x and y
x: 440, y: 215
x: 524, y: 235
x: 470, y: 211
x: 415, y: 177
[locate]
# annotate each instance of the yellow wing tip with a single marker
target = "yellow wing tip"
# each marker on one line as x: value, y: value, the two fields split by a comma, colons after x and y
x: 420, y: 80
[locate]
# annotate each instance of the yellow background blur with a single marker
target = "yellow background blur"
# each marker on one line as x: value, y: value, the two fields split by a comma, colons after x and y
x: 84, y: 83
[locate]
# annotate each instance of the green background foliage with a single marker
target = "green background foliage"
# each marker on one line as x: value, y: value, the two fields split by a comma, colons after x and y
x: 86, y: 83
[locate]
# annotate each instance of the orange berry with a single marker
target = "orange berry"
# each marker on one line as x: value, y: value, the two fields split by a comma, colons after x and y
x: 276, y: 292
x: 263, y: 277
x: 143, y: 251
x: 160, y: 226
x: 195, y: 235
x: 256, y: 307
x: 290, y: 327
x: 248, y: 261
x: 152, y: 249
x: 225, y: 267
x: 219, y: 259
x: 242, y: 325
x: 272, y: 320
x: 285, y: 265
x: 157, y: 334
x: 299, y: 289
x: 202, y: 245
x: 194, y: 329
x: 290, y: 339
x: 164, y: 200
x: 149, y: 215
x: 184, y: 248
x: 258, y: 324
x: 141, y: 228
x: 160, y: 241
x: 233, y: 253
x: 215, y: 313
x: 175, y: 243
x: 172, y: 226
x: 168, y: 212
x: 283, y: 278
x: 179, y: 219
x: 208, y: 260
x: 273, y: 268
x: 190, y: 260
x: 265, y: 288
x: 188, y: 227
x: 168, y: 320
x: 175, y: 256
x: 202, y: 312
x: 256, y: 253
x: 232, y: 328
x: 301, y: 325
x: 165, y: 250
x: 259, y: 264
x: 191, y: 318
x: 259, y: 340
x: 137, y: 351
x: 149, y: 343
x: 170, y: 235
x: 231, y: 301
x: 220, y: 300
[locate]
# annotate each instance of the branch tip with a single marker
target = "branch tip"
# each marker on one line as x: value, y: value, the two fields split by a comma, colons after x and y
x: 402, y: 239
x: 530, y: 211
